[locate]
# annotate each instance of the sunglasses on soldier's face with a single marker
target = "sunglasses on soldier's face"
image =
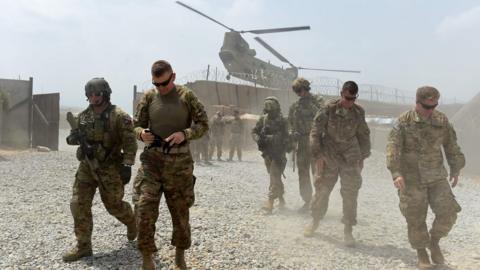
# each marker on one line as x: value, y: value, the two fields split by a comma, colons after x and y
x: 428, y: 107
x: 97, y: 94
x: 164, y: 83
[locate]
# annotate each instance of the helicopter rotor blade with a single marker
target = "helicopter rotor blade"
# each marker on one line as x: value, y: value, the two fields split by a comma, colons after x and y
x: 273, y: 51
x: 204, y: 15
x: 332, y: 70
x: 275, y: 30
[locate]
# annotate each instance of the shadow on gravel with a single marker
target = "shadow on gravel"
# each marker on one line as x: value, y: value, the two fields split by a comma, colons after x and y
x: 406, y: 255
x: 127, y: 257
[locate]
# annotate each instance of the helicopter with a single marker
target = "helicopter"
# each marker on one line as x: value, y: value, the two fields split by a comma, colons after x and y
x: 240, y: 61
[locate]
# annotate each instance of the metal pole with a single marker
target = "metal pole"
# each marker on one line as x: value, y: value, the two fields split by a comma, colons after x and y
x: 208, y: 71
x: 30, y: 113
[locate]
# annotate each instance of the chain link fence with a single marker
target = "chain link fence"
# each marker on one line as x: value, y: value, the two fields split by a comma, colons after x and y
x: 320, y: 85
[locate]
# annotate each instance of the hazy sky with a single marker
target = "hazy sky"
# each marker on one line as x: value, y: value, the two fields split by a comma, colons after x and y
x: 401, y: 43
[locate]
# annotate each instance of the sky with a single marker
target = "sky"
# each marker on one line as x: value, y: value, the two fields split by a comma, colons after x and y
x: 402, y: 44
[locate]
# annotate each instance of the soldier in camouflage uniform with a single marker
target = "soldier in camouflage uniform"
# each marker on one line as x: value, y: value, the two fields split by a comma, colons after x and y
x: 108, y: 130
x: 236, y: 136
x: 202, y: 148
x: 340, y: 141
x: 167, y: 116
x: 217, y: 130
x: 300, y: 118
x: 271, y: 135
x: 415, y: 159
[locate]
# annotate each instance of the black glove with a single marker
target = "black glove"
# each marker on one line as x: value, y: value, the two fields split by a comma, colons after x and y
x: 125, y: 173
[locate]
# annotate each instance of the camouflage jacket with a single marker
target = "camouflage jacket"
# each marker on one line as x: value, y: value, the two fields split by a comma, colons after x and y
x: 111, y: 133
x: 198, y: 120
x: 272, y: 135
x: 236, y: 126
x: 217, y: 126
x: 340, y: 133
x: 414, y: 148
x: 301, y: 114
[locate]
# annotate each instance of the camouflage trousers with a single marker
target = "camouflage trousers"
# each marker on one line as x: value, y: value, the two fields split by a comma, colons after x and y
x: 111, y: 192
x: 275, y: 168
x: 216, y: 142
x: 172, y: 175
x: 350, y: 181
x: 304, y: 165
x: 236, y: 144
x: 414, y: 202
x: 201, y: 150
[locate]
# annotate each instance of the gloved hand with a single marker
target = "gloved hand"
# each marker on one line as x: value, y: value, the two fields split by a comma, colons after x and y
x: 125, y: 173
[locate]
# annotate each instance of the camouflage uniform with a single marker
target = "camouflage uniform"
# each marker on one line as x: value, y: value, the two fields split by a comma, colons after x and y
x: 271, y: 135
x: 167, y: 173
x: 414, y: 152
x: 201, y: 147
x: 300, y: 118
x: 109, y: 133
x: 342, y: 138
x: 236, y: 140
x: 217, y: 130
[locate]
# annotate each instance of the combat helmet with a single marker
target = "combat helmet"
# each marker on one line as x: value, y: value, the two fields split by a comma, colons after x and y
x: 271, y: 105
x: 98, y: 85
x: 299, y: 84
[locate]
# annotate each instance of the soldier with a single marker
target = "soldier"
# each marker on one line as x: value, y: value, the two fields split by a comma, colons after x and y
x: 300, y: 118
x: 217, y: 130
x: 271, y: 135
x: 415, y: 159
x: 340, y: 141
x: 202, y: 148
x: 163, y: 121
x: 105, y: 133
x: 236, y: 130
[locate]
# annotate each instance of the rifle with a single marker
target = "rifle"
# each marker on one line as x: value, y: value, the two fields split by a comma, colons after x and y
x: 267, y: 147
x: 87, y: 149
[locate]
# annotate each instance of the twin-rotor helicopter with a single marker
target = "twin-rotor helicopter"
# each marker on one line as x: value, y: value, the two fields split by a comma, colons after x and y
x: 240, y: 61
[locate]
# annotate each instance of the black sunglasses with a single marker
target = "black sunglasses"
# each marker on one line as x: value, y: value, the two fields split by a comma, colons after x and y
x: 97, y: 94
x: 351, y: 98
x: 428, y: 107
x: 164, y: 83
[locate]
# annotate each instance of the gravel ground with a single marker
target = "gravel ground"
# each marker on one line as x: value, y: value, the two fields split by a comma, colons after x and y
x: 229, y: 229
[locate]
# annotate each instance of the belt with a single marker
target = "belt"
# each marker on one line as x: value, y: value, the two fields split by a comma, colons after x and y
x: 174, y: 150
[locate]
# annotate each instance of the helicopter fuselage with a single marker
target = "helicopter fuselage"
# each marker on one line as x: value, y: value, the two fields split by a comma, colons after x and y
x: 240, y: 62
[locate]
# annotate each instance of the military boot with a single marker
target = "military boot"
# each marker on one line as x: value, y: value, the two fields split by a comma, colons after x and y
x: 148, y: 262
x: 311, y: 228
x: 348, y: 236
x: 423, y: 260
x: 268, y: 206
x: 281, y: 203
x: 180, y: 263
x: 132, y: 231
x: 435, y: 252
x: 77, y: 253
